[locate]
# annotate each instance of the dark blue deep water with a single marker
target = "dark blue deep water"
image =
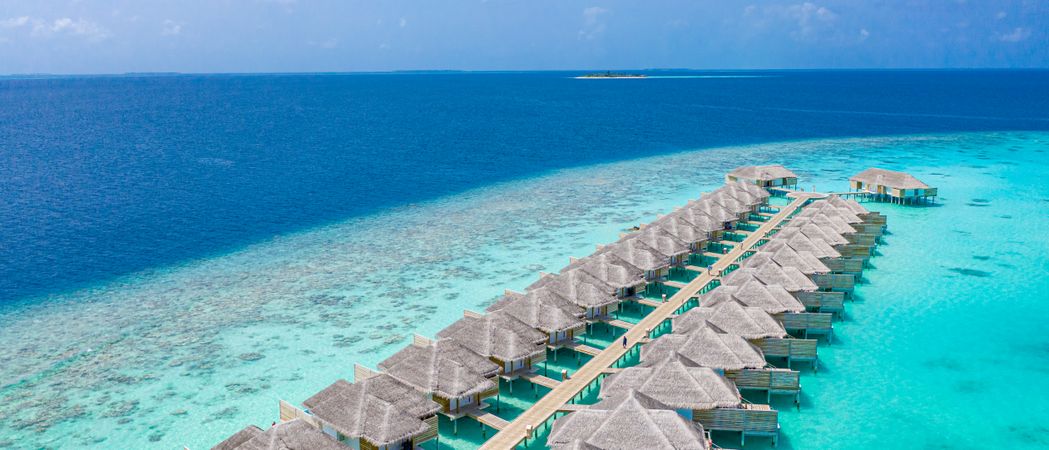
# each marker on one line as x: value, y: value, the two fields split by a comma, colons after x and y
x: 101, y: 176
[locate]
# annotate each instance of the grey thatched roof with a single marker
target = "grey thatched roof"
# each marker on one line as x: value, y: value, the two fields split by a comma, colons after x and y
x: 784, y: 256
x: 699, y: 219
x: 815, y: 231
x: 750, y: 291
x: 829, y: 209
x: 742, y: 195
x: 730, y: 204
x: 610, y: 268
x: 639, y: 254
x: 675, y: 384
x: 661, y: 241
x: 362, y: 410
x: 752, y: 189
x: 790, y: 278
x: 890, y: 178
x: 629, y: 425
x: 801, y: 243
x: 853, y: 205
x: 291, y: 435
x: 733, y: 317
x: 579, y: 287
x: 384, y: 387
x: 496, y: 335
x: 542, y: 316
x: 444, y: 367
x: 704, y: 346
x: 714, y: 210
x: 763, y: 173
x: 680, y: 228
x: 239, y: 438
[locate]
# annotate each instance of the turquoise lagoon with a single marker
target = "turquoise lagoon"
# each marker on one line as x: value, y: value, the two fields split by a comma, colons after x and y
x: 944, y: 348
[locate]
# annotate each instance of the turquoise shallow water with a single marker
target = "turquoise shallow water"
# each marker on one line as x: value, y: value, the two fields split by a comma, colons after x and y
x: 943, y: 349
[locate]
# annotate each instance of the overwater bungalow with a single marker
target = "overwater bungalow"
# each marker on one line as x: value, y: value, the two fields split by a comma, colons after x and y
x: 641, y: 255
x: 452, y: 375
x: 773, y: 299
x: 626, y: 278
x: 740, y: 210
x: 744, y: 196
x: 892, y: 186
x: 725, y: 218
x: 544, y: 310
x: 291, y: 435
x: 597, y: 298
x: 816, y: 269
x: 785, y: 256
x: 771, y: 176
x: 627, y: 422
x: 801, y: 243
x: 676, y: 249
x: 752, y: 189
x: 693, y: 235
x: 698, y: 394
x: 703, y: 222
x: 376, y: 412
x: 726, y: 353
x: 512, y: 344
x: 786, y: 279
x: 753, y: 324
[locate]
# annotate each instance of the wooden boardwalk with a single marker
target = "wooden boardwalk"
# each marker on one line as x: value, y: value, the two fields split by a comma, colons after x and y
x: 620, y: 323
x: 489, y: 419
x: 541, y: 380
x: 648, y: 302
x: 584, y: 349
x: 517, y: 431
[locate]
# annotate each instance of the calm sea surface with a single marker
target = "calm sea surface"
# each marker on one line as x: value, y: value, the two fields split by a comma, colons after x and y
x: 178, y: 253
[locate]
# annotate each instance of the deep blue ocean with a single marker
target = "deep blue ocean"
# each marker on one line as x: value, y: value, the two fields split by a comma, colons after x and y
x: 104, y: 176
x: 179, y: 253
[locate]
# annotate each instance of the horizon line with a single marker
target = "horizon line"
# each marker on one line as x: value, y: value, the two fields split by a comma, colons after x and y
x: 492, y: 71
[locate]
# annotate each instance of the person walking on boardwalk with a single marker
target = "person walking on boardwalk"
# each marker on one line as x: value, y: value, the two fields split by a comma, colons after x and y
x: 624, y: 341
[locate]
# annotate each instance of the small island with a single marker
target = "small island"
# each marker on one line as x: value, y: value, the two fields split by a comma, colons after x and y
x: 605, y: 75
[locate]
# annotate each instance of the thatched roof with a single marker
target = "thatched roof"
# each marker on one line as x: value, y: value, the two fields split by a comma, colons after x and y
x: 890, y: 178
x: 661, y: 241
x: 742, y: 195
x: 801, y: 243
x: 753, y: 189
x: 680, y: 228
x: 444, y: 367
x: 361, y: 410
x: 815, y: 231
x: 853, y: 205
x: 675, y: 384
x: 239, y: 438
x: 541, y: 316
x: 579, y: 287
x: 773, y: 299
x: 639, y: 254
x: 762, y: 173
x: 496, y: 335
x: 704, y: 346
x: 733, y: 317
x: 542, y: 295
x: 629, y: 425
x: 699, y: 219
x: 827, y: 208
x: 290, y: 435
x: 382, y: 386
x: 784, y: 256
x: 789, y: 279
x: 712, y: 209
x: 611, y: 269
x: 726, y: 201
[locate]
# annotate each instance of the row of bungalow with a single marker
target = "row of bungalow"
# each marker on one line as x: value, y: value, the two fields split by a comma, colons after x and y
x: 795, y: 282
x: 790, y: 286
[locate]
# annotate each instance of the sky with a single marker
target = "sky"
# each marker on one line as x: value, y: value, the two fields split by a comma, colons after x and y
x: 119, y: 36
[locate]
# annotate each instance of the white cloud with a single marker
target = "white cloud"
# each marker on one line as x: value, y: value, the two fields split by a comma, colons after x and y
x: 404, y: 22
x: 1018, y: 34
x: 864, y: 34
x: 65, y: 26
x: 171, y: 28
x: 593, y: 25
x: 1001, y: 15
x: 14, y: 22
x: 803, y: 21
